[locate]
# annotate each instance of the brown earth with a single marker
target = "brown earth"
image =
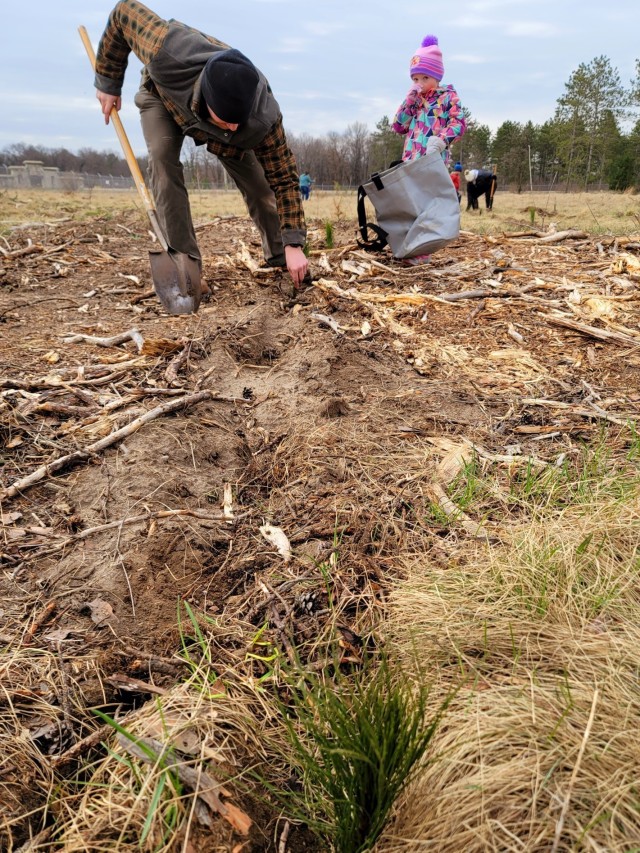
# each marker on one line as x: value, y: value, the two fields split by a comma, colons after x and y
x: 329, y: 432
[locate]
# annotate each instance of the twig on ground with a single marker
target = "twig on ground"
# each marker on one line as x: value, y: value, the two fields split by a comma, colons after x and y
x: 593, y: 412
x: 63, y: 461
x: 563, y: 235
x: 592, y: 331
x: 45, y: 614
x: 130, y: 335
x: 282, y: 845
x: 171, y: 373
x: 82, y: 746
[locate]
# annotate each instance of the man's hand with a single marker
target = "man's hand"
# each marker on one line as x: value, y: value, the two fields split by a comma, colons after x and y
x: 435, y: 143
x: 108, y: 102
x: 297, y: 264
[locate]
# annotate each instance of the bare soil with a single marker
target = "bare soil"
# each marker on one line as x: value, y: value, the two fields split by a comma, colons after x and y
x: 306, y: 425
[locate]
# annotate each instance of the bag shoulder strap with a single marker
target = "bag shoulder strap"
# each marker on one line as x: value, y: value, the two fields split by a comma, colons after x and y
x: 376, y: 244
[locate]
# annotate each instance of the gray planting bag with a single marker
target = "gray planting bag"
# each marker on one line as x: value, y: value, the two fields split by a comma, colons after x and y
x: 417, y: 208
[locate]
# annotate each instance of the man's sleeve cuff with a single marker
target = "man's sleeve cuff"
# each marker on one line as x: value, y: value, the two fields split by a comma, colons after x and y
x: 108, y: 85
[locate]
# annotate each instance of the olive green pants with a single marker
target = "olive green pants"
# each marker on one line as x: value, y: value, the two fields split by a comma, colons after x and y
x: 166, y: 176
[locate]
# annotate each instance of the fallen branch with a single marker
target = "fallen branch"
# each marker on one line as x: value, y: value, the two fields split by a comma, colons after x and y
x: 594, y: 412
x: 26, y: 250
x: 592, y: 331
x: 131, y: 335
x: 282, y: 845
x: 82, y: 746
x: 133, y: 685
x: 34, y: 843
x: 471, y: 294
x: 490, y: 293
x: 171, y: 373
x: 30, y: 304
x: 148, y: 294
x: 455, y: 514
x: 513, y: 234
x: 363, y: 256
x: 63, y: 461
x: 558, y: 236
x: 44, y: 616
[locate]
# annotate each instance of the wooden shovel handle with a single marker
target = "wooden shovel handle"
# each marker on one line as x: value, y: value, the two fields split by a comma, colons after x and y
x: 127, y: 149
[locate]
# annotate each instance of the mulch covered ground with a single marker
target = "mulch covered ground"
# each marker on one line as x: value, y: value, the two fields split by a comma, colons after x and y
x: 266, y: 460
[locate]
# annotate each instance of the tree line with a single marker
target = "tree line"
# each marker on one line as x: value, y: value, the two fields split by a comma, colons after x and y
x: 592, y: 142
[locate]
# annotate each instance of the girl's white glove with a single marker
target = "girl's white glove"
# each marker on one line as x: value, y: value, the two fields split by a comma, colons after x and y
x: 435, y: 143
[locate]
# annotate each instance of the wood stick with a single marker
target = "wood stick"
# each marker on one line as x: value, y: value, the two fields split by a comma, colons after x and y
x: 282, y: 846
x: 82, y: 746
x: 563, y: 235
x: 594, y: 412
x: 130, y: 335
x: 592, y: 331
x: 171, y: 373
x: 455, y: 514
x: 512, y: 234
x: 71, y: 458
x: 148, y: 516
x: 45, y: 614
x: 27, y: 250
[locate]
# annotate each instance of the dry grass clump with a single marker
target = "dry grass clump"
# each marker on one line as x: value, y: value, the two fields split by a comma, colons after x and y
x: 539, y: 749
x: 167, y: 769
x: 40, y: 696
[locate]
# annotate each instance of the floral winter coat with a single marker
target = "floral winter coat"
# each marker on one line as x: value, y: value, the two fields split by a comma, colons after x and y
x: 438, y: 114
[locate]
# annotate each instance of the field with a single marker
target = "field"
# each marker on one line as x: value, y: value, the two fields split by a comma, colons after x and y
x: 264, y: 565
x: 598, y: 213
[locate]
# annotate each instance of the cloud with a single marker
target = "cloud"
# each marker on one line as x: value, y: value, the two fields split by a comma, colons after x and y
x: 317, y: 28
x: 468, y: 58
x: 482, y: 6
x: 530, y: 28
x: 292, y: 45
x: 470, y: 22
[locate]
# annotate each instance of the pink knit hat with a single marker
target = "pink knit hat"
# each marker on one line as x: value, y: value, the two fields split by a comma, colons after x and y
x: 427, y: 59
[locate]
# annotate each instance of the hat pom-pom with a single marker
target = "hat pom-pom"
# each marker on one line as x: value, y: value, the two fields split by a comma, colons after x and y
x: 427, y: 41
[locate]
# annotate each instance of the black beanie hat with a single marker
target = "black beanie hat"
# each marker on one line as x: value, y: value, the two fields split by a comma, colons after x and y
x: 229, y: 83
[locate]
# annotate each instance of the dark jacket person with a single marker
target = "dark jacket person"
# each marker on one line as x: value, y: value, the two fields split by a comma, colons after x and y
x: 480, y: 182
x: 194, y: 85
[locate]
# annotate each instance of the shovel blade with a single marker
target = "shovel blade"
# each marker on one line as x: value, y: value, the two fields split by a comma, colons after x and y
x: 176, y: 281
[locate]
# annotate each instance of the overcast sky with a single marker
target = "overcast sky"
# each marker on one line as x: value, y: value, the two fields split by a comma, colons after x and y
x: 330, y: 62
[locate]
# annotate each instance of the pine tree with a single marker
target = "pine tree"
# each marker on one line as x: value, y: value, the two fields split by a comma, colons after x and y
x: 593, y: 92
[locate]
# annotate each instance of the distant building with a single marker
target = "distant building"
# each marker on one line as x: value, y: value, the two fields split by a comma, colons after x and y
x: 33, y: 174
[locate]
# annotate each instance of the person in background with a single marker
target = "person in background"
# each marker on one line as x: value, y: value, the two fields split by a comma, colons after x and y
x: 194, y: 85
x: 480, y: 182
x: 455, y: 179
x: 305, y: 186
x: 431, y: 116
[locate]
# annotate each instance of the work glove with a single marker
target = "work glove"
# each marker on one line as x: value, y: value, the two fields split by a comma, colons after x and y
x: 435, y: 143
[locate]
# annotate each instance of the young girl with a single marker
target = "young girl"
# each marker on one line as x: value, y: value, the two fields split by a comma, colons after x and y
x: 431, y: 116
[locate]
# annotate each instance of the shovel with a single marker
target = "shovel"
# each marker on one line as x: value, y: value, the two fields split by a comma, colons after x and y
x: 176, y: 276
